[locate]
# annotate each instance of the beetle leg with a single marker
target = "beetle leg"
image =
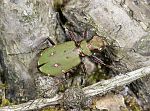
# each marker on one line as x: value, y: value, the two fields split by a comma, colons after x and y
x: 83, y: 80
x: 72, y: 36
x: 83, y: 71
x: 61, y: 20
x: 84, y: 34
x: 99, y: 61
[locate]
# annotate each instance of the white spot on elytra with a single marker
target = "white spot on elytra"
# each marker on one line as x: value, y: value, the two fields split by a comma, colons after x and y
x: 56, y: 65
x: 79, y: 51
x: 63, y: 71
x: 49, y: 74
x: 52, y: 53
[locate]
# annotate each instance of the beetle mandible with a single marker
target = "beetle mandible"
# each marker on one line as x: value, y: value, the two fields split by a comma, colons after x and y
x: 61, y: 58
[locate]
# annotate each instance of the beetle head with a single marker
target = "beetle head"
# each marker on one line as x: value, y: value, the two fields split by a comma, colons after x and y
x: 97, y: 43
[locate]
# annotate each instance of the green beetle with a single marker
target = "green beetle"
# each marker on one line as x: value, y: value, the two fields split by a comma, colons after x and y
x: 61, y: 58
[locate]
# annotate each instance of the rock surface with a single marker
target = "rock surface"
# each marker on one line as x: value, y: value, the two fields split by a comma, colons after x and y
x: 25, y: 24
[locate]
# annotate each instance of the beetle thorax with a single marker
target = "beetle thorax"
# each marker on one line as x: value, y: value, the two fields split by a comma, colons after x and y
x: 84, y: 50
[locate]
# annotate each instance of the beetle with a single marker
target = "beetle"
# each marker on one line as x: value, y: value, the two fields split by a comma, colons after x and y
x: 61, y: 58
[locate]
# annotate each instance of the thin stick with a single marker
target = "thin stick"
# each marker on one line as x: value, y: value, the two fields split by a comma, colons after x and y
x: 121, y: 80
x: 33, y: 104
x: 101, y: 88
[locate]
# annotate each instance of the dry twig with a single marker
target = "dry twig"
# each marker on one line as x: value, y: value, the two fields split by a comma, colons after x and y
x: 99, y: 88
